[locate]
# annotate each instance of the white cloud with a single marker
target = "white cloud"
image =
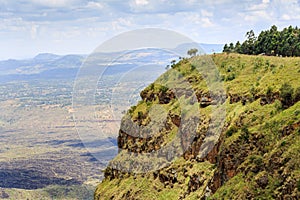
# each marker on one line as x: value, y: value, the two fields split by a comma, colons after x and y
x: 141, y: 2
x: 257, y: 16
x: 206, y: 22
x: 53, y: 3
x: 13, y: 24
x: 34, y: 30
x: 262, y: 6
x: 94, y: 5
x: 121, y: 24
x: 206, y: 13
x: 286, y: 17
x: 195, y: 18
x: 287, y: 10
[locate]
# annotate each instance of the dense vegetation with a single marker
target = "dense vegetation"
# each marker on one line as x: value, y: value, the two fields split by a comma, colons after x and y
x: 257, y: 155
x: 269, y: 42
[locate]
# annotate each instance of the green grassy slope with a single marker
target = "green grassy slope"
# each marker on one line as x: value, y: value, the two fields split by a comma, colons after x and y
x: 257, y: 155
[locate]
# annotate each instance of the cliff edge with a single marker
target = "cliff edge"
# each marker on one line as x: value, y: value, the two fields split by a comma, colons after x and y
x: 255, y: 156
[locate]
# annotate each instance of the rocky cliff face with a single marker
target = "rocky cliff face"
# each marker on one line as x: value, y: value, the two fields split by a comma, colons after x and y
x: 256, y: 155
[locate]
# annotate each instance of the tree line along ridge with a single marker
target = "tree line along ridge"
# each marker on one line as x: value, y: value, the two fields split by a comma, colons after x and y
x: 269, y: 42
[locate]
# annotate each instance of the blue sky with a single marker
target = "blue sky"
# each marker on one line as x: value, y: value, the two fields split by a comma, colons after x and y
x: 29, y: 27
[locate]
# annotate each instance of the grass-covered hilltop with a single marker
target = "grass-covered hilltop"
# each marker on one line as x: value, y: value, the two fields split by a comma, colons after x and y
x: 256, y: 155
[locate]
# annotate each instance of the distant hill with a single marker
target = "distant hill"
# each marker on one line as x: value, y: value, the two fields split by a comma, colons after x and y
x: 47, y: 65
x: 41, y: 66
x: 46, y: 57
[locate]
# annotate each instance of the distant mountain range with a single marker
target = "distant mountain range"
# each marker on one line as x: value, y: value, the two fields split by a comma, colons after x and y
x: 41, y: 66
x: 51, y: 66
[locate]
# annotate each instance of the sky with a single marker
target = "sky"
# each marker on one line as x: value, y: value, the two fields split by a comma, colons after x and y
x: 30, y: 27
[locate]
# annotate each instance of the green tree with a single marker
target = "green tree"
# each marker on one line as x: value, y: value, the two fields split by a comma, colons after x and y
x: 237, y: 47
x: 192, y: 52
x: 226, y: 48
x: 231, y: 47
x: 269, y: 42
x: 249, y: 43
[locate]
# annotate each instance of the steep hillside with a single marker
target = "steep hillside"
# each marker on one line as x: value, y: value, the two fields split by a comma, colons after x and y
x: 255, y: 157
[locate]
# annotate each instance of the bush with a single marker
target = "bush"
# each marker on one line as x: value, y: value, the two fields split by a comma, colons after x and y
x: 163, y: 89
x: 131, y: 110
x: 231, y: 131
x: 230, y: 69
x: 258, y: 63
x: 286, y: 95
x: 267, y: 63
x: 223, y: 64
x: 230, y: 77
x: 151, y: 86
x: 253, y: 91
x: 277, y: 105
x: 245, y: 133
x: 283, y: 143
x: 193, y: 67
x: 296, y: 97
x: 140, y: 115
x: 257, y: 160
x: 254, y: 118
x: 269, y: 91
x: 281, y: 66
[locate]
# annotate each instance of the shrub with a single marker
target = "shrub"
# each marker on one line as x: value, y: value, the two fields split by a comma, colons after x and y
x: 193, y: 67
x: 286, y: 95
x: 229, y: 69
x: 151, y: 86
x: 258, y: 63
x: 140, y: 115
x: 273, y: 66
x: 149, y: 103
x: 253, y: 90
x: 245, y: 133
x: 281, y: 66
x: 283, y: 143
x: 223, y: 64
x: 269, y: 91
x: 257, y: 160
x: 163, y: 89
x: 130, y: 111
x: 267, y: 63
x: 243, y: 65
x: 230, y: 77
x: 296, y: 97
x: 277, y: 105
x: 231, y: 131
x: 254, y: 118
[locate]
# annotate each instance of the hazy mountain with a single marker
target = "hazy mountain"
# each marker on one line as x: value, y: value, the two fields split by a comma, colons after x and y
x: 47, y: 65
